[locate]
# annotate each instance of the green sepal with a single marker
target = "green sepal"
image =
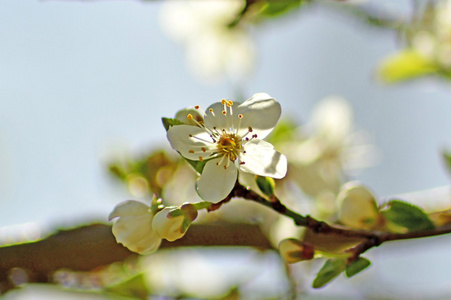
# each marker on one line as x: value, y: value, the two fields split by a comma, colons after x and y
x: 266, y: 185
x: 407, y: 215
x: 357, y: 266
x: 156, y: 204
x: 202, y: 205
x: 176, y: 212
x: 168, y: 122
x: 185, y: 225
x: 331, y: 269
x: 197, y: 165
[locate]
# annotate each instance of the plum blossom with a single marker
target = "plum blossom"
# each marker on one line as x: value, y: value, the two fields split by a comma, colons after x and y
x: 229, y: 139
x: 132, y: 227
x: 171, y: 223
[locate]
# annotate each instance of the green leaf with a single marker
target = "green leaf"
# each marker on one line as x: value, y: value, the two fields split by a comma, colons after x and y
x: 406, y: 65
x: 274, y: 8
x: 202, y: 205
x: 266, y: 185
x: 168, y: 122
x: 356, y: 266
x: 407, y: 215
x: 331, y: 269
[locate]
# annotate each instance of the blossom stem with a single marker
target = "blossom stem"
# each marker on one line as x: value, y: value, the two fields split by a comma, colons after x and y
x: 370, y: 238
x: 275, y: 204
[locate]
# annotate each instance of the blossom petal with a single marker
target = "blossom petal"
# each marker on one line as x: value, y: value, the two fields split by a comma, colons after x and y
x: 260, y: 158
x: 261, y: 112
x: 216, y: 182
x: 129, y: 208
x: 191, y: 141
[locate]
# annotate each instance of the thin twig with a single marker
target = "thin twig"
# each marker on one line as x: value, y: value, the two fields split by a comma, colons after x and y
x: 370, y: 238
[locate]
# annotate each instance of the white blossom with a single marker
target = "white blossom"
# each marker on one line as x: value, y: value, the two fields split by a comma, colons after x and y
x: 171, y: 223
x: 132, y: 227
x: 357, y: 207
x: 229, y: 139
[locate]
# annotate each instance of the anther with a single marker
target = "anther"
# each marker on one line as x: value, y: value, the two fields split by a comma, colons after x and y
x: 250, y: 129
x: 240, y: 116
x: 223, y: 101
x: 191, y: 151
x: 229, y: 103
x: 197, y: 107
x: 189, y: 116
x: 224, y: 112
x: 203, y: 149
x: 201, y: 158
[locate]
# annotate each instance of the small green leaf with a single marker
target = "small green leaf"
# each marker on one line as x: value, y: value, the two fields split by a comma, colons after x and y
x: 406, y: 65
x: 168, y: 122
x: 356, y: 266
x: 266, y: 185
x: 331, y: 269
x: 407, y: 215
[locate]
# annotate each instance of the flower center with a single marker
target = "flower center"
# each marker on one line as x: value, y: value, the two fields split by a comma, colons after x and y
x: 229, y: 145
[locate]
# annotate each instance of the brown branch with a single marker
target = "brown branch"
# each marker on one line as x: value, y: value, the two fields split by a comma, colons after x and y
x: 88, y: 247
x: 368, y: 238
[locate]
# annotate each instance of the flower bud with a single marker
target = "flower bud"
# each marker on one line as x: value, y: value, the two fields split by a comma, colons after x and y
x: 357, y: 207
x: 293, y: 250
x: 132, y: 227
x: 171, y: 223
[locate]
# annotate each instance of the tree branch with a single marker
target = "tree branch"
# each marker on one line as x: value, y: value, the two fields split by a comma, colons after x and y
x: 369, y: 238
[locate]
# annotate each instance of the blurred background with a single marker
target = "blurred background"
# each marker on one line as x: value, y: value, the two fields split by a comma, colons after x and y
x: 84, y: 83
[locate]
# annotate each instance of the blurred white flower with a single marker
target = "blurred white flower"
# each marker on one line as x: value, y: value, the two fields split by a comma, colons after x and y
x: 132, y: 227
x: 230, y: 139
x: 213, y: 49
x: 321, y: 156
x: 432, y: 36
x: 357, y: 207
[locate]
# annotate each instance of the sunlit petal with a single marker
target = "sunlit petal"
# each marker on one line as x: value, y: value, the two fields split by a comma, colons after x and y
x: 216, y: 182
x: 261, y: 112
x: 260, y: 158
x: 191, y: 141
